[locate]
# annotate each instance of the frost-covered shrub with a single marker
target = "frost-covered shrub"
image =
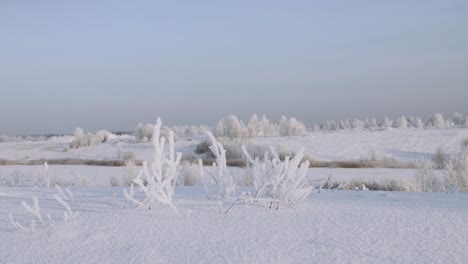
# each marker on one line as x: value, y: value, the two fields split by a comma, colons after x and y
x: 102, y: 136
x: 281, y: 183
x: 143, y: 132
x: 202, y: 147
x: 85, y: 140
x: 233, y: 127
x: 456, y: 172
x: 401, y: 122
x: 426, y: 180
x: 437, y: 120
x: 130, y: 172
x: 189, y: 174
x: 387, y: 123
x: 291, y: 127
x: 357, y: 124
x: 62, y: 197
x: 80, y: 139
x: 158, y: 179
x: 222, y: 178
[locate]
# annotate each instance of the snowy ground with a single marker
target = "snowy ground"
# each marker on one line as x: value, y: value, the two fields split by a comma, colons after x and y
x: 101, y: 175
x: 331, y: 227
x: 399, y: 144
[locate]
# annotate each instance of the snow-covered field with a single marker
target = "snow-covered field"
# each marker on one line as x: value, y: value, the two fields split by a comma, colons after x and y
x: 330, y: 227
x: 400, y: 144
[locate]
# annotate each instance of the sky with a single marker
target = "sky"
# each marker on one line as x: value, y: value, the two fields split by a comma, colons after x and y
x: 112, y: 64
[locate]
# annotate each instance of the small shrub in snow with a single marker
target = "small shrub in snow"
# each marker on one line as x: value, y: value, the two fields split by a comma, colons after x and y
x: 279, y: 182
x: 62, y: 197
x: 144, y: 132
x: 190, y: 174
x: 102, y: 136
x: 426, y: 180
x: 456, y: 172
x: 157, y: 180
x: 203, y: 147
x: 80, y: 139
x: 223, y: 179
x: 291, y: 127
x: 438, y: 120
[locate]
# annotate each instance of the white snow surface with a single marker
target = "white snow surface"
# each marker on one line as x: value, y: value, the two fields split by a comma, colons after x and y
x: 331, y: 227
x: 399, y: 144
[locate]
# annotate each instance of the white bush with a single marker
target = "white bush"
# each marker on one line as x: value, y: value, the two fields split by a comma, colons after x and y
x: 102, y: 136
x: 223, y: 179
x: 291, y: 127
x: 426, y: 180
x: 456, y: 172
x: 401, y: 122
x: 157, y: 180
x: 437, y: 120
x: 281, y: 183
x: 143, y: 132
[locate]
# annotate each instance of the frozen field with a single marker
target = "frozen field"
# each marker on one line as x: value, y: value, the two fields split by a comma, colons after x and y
x: 399, y: 144
x: 331, y: 227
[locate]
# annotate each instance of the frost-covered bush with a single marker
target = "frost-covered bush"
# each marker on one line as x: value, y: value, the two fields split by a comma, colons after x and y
x: 38, y: 221
x: 387, y: 123
x: 426, y: 180
x: 291, y: 127
x: 80, y: 139
x: 158, y: 179
x: 222, y: 178
x: 102, y: 136
x: 280, y: 183
x: 130, y: 172
x: 85, y: 140
x: 202, y: 147
x: 401, y: 122
x: 456, y: 172
x: 189, y: 174
x: 437, y: 120
x: 144, y: 132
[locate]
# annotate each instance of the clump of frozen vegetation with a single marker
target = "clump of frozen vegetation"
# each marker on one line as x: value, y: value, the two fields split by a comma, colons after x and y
x: 189, y: 174
x: 223, y: 179
x: 426, y: 179
x: 144, y: 132
x: 64, y: 198
x: 275, y: 182
x: 453, y: 178
x: 158, y: 179
x: 82, y: 139
x: 279, y: 182
x: 231, y: 127
x: 456, y: 172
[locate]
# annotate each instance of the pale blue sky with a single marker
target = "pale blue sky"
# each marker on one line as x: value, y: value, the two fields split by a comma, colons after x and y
x: 113, y: 64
